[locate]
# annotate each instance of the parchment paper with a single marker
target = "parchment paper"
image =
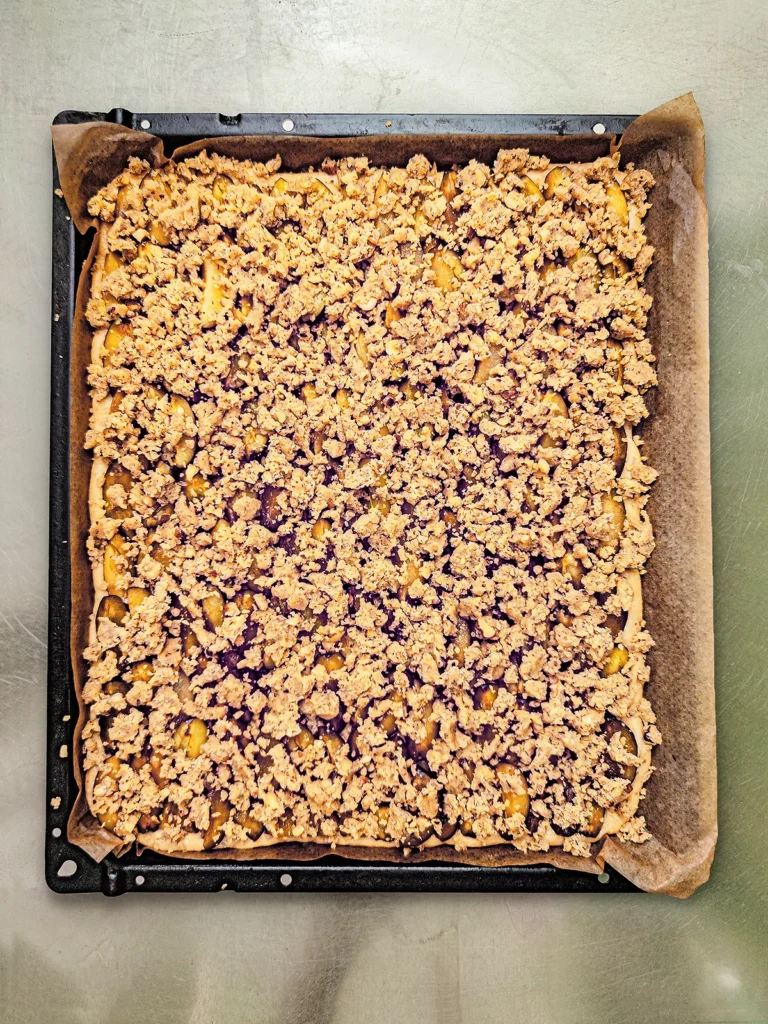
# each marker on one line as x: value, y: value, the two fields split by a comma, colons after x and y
x: 681, y: 805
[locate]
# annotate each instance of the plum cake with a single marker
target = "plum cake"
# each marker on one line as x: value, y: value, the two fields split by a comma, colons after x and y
x: 368, y: 505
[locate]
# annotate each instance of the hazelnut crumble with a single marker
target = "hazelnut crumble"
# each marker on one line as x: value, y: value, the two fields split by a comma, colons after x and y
x: 368, y: 506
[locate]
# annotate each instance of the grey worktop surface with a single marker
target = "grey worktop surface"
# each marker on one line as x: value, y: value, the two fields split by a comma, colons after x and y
x: 389, y: 958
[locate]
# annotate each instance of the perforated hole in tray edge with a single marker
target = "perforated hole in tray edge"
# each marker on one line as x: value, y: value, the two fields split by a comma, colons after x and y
x: 67, y: 869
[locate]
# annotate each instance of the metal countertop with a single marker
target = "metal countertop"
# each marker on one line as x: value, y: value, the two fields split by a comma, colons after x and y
x: 311, y: 959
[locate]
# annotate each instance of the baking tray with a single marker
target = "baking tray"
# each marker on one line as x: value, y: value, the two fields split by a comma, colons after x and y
x: 68, y: 869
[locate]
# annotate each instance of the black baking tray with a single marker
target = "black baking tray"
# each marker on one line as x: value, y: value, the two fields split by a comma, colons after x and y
x: 68, y: 869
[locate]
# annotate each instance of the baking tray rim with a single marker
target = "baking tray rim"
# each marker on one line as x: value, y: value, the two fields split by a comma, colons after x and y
x: 149, y: 872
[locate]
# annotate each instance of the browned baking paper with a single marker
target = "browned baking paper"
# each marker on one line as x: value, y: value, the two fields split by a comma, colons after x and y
x: 681, y: 805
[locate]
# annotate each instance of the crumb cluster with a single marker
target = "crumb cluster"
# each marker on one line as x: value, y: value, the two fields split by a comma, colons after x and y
x: 367, y: 508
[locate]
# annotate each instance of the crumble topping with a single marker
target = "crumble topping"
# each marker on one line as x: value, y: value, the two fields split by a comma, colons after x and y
x: 368, y: 509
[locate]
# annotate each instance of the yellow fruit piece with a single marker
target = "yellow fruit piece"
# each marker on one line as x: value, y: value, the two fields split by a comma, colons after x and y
x: 218, y: 817
x: 379, y: 503
x: 333, y: 743
x: 109, y: 820
x: 361, y: 350
x: 113, y: 339
x: 159, y: 233
x: 484, y: 366
x: 514, y: 789
x: 123, y: 198
x: 331, y: 662
x: 255, y: 441
x: 485, y: 697
x: 546, y: 270
x: 115, y: 564
x: 617, y: 659
x: 448, y: 187
x: 116, y: 475
x: 213, y: 609
x: 190, y: 737
x: 161, y: 555
x: 382, y: 187
x: 111, y: 767
x: 221, y: 533
x: 220, y: 186
x: 320, y: 528
x: 245, y: 601
x: 148, y: 251
x: 532, y: 189
x: 251, y: 824
x: 570, y: 566
x: 136, y: 595
x: 301, y: 740
x: 552, y: 180
x: 617, y: 268
x: 447, y: 269
x: 556, y: 403
x: 594, y: 822
x: 196, y: 487
x: 391, y: 315
x: 618, y: 203
x: 112, y: 608
x: 142, y: 672
x: 410, y: 574
x: 615, y: 510
x: 113, y: 261
x: 431, y: 729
